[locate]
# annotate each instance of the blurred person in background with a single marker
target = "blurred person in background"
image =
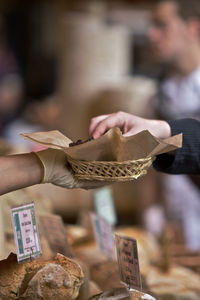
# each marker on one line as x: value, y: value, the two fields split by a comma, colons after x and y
x: 175, y: 40
x: 38, y: 110
x: 23, y: 107
x: 11, y: 83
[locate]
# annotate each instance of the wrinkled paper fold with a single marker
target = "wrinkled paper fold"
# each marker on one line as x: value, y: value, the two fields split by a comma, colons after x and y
x: 112, y: 146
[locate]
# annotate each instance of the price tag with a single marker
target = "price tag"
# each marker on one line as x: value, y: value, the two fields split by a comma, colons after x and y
x: 103, y: 235
x: 104, y: 205
x: 26, y: 232
x: 127, y: 255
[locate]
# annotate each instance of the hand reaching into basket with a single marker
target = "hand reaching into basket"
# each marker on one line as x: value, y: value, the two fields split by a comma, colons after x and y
x: 129, y: 125
x: 56, y: 170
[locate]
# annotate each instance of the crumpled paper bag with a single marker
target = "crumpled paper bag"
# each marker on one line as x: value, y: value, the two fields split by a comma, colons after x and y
x: 112, y: 146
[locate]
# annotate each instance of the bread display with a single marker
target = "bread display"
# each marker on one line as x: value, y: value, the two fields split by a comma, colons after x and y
x: 59, y: 278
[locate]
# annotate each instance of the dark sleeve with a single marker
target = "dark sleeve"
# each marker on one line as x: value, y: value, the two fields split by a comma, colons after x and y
x: 187, y: 158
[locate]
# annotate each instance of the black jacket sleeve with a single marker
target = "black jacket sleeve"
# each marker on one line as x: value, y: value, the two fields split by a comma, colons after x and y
x: 187, y: 158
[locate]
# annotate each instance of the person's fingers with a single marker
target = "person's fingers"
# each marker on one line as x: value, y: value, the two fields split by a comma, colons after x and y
x: 132, y: 131
x: 108, y: 123
x: 128, y: 133
x: 94, y: 123
x: 129, y: 124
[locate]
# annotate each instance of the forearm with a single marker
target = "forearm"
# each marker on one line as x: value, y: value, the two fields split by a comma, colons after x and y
x: 19, y: 171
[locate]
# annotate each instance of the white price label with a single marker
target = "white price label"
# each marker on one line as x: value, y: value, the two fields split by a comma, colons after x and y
x: 104, y: 205
x: 103, y: 235
x: 128, y: 261
x: 26, y: 232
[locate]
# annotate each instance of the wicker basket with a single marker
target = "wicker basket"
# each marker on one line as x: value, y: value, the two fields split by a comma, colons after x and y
x: 110, y: 170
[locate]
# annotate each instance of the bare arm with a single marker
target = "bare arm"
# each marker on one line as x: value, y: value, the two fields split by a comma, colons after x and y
x: 47, y: 166
x: 19, y: 171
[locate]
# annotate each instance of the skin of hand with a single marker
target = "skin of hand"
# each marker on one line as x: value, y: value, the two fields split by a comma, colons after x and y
x: 56, y: 170
x: 129, y: 125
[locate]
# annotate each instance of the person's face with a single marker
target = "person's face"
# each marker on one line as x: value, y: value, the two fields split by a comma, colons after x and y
x: 169, y: 33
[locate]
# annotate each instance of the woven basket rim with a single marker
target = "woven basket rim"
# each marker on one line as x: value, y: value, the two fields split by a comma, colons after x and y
x: 95, y: 170
x: 111, y: 161
x: 107, y: 178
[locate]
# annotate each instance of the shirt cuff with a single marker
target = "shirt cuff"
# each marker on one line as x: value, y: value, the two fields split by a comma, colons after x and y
x: 185, y: 160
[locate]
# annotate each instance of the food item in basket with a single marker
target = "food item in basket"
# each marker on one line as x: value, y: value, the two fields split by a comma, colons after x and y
x: 58, y: 278
x: 79, y: 142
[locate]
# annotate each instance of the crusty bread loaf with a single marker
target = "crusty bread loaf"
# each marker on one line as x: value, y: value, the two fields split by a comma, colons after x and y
x: 11, y: 277
x: 178, y: 283
x: 59, y: 278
